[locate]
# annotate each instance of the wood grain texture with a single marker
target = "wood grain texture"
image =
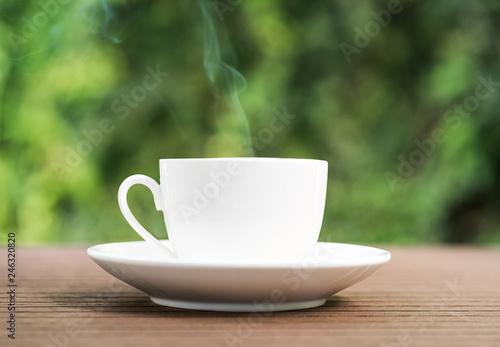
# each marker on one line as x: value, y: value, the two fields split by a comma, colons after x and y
x: 422, y: 297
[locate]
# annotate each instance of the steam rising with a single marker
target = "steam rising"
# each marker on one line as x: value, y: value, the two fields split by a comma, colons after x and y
x: 226, y: 82
x: 105, y: 22
x: 109, y: 23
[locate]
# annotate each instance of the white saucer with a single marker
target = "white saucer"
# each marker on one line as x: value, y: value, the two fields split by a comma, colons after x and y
x: 239, y: 286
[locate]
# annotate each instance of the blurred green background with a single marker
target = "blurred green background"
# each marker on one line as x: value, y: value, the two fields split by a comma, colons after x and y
x: 394, y: 95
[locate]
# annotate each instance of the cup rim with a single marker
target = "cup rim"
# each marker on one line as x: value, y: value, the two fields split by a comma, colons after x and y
x: 244, y: 159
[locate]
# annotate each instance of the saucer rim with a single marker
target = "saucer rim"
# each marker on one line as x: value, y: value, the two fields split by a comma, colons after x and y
x: 382, y: 257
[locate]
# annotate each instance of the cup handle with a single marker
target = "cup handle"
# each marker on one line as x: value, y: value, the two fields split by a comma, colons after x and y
x: 122, y: 202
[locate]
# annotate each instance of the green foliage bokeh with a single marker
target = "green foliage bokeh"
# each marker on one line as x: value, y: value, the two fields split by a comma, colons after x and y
x: 63, y: 73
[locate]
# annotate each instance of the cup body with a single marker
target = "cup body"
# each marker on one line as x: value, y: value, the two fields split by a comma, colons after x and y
x: 243, y: 208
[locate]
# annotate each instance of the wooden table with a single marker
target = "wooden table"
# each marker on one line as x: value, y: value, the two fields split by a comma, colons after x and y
x: 422, y: 297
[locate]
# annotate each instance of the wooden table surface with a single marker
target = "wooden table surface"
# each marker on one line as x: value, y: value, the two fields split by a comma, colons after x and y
x: 424, y: 296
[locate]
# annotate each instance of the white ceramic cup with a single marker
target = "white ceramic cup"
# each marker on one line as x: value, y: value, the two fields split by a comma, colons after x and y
x: 236, y: 208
